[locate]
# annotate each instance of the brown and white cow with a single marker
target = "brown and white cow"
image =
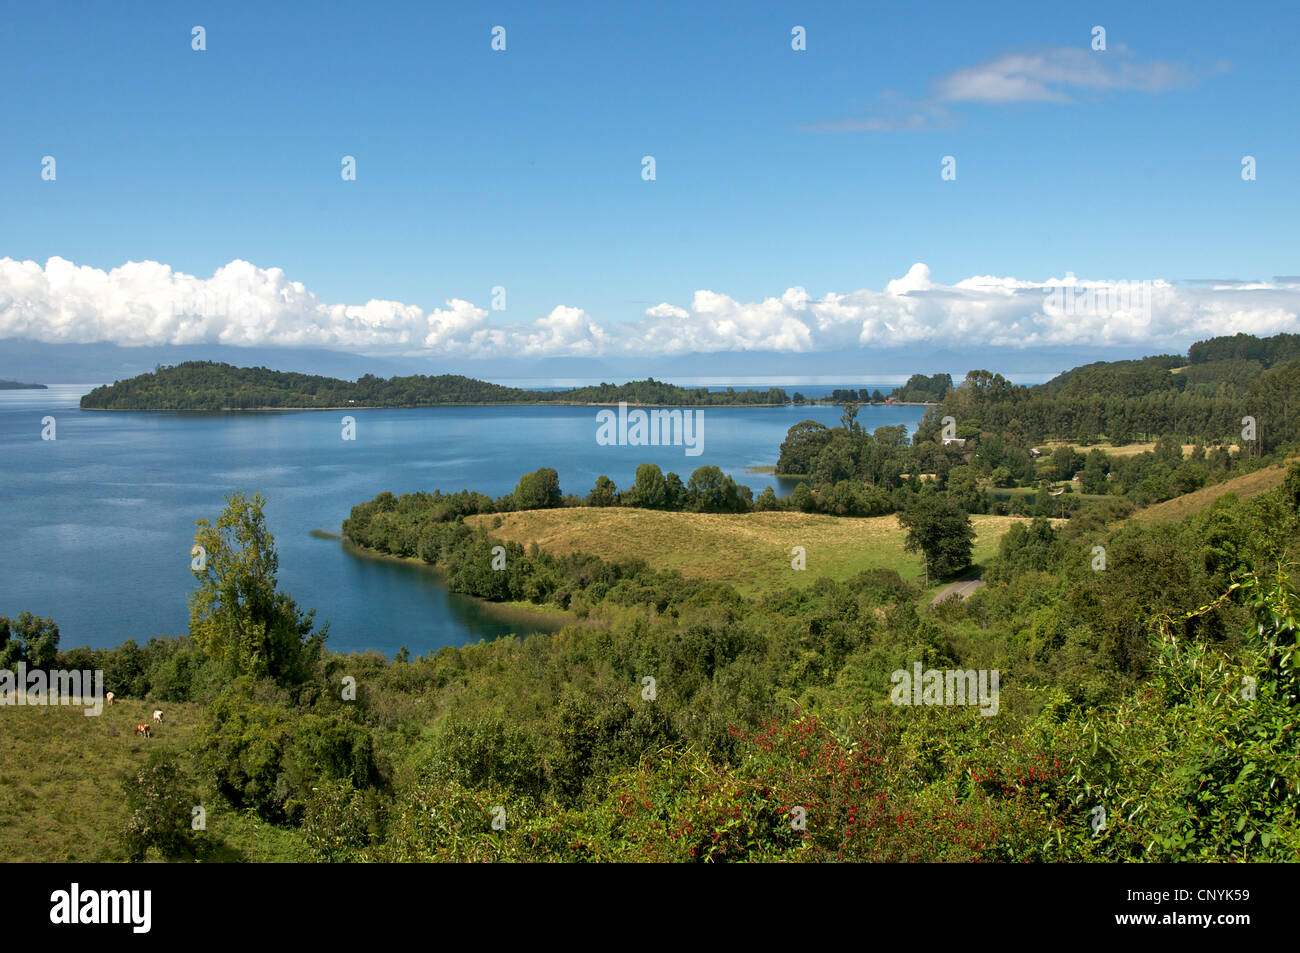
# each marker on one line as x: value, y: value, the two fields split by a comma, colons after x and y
x: 108, y: 698
x: 143, y: 730
x: 157, y: 716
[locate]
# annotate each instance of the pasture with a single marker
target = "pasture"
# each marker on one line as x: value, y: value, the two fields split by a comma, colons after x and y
x: 61, y: 778
x: 751, y: 551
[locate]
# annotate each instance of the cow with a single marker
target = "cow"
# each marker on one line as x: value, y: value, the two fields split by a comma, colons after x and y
x: 143, y: 730
x: 157, y: 716
x: 108, y: 699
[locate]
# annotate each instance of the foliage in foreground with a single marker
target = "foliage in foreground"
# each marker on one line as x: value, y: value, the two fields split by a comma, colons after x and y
x: 1147, y: 712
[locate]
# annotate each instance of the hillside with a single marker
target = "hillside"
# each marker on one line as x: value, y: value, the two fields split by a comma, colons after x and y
x: 1245, y: 486
x: 1200, y: 398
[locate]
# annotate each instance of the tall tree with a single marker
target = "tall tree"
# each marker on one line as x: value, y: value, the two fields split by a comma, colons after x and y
x: 849, y: 419
x: 28, y: 639
x: 604, y: 493
x: 941, y: 531
x: 538, y: 490
x: 651, y: 490
x: 236, y: 614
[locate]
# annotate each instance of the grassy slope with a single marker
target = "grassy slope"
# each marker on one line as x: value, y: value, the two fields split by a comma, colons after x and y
x: 61, y: 784
x: 1251, y: 484
x: 1127, y: 450
x: 752, y: 550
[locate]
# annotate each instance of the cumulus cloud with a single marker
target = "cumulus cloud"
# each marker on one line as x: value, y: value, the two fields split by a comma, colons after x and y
x: 241, y: 304
x: 717, y: 322
x: 459, y: 320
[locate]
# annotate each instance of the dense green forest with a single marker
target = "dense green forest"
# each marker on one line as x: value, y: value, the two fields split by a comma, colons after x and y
x: 1246, y: 347
x: 1204, y: 398
x: 205, y: 385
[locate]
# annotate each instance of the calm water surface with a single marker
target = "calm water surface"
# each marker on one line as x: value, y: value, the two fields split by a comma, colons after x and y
x: 96, y: 526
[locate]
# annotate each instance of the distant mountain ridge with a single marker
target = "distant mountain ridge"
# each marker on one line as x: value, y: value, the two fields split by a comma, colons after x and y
x: 89, y: 363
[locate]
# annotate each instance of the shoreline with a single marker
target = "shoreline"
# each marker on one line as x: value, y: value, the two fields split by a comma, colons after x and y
x: 537, y: 403
x: 506, y: 611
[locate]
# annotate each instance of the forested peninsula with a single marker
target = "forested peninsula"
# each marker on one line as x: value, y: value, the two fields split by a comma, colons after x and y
x: 207, y: 385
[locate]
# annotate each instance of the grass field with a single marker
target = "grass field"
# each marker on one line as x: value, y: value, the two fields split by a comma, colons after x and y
x: 61, y: 785
x: 1251, y: 484
x: 752, y: 551
x: 1127, y: 450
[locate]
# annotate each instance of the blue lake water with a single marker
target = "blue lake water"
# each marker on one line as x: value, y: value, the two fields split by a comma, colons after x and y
x: 96, y: 526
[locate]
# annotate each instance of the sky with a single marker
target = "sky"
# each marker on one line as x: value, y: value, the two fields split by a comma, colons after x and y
x: 798, y: 203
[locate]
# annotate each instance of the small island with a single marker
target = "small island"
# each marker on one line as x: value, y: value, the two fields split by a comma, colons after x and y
x: 211, y: 386
x: 15, y: 385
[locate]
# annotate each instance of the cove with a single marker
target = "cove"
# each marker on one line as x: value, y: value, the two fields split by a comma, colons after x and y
x: 97, y: 525
x: 453, y: 617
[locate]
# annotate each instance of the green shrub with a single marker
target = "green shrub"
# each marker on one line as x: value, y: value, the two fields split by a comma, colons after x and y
x: 159, y: 803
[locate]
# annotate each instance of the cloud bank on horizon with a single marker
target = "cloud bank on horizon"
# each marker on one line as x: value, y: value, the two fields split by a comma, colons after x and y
x: 148, y: 303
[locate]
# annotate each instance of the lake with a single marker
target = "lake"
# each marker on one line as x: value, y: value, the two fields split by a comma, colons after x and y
x: 97, y: 524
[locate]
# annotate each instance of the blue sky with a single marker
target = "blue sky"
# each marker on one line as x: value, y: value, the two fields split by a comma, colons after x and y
x: 523, y: 168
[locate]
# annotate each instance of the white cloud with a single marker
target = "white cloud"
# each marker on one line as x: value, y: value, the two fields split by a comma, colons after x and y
x: 460, y: 319
x: 564, y: 331
x: 1053, y: 76
x: 1058, y: 75
x: 241, y: 304
x: 916, y: 279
